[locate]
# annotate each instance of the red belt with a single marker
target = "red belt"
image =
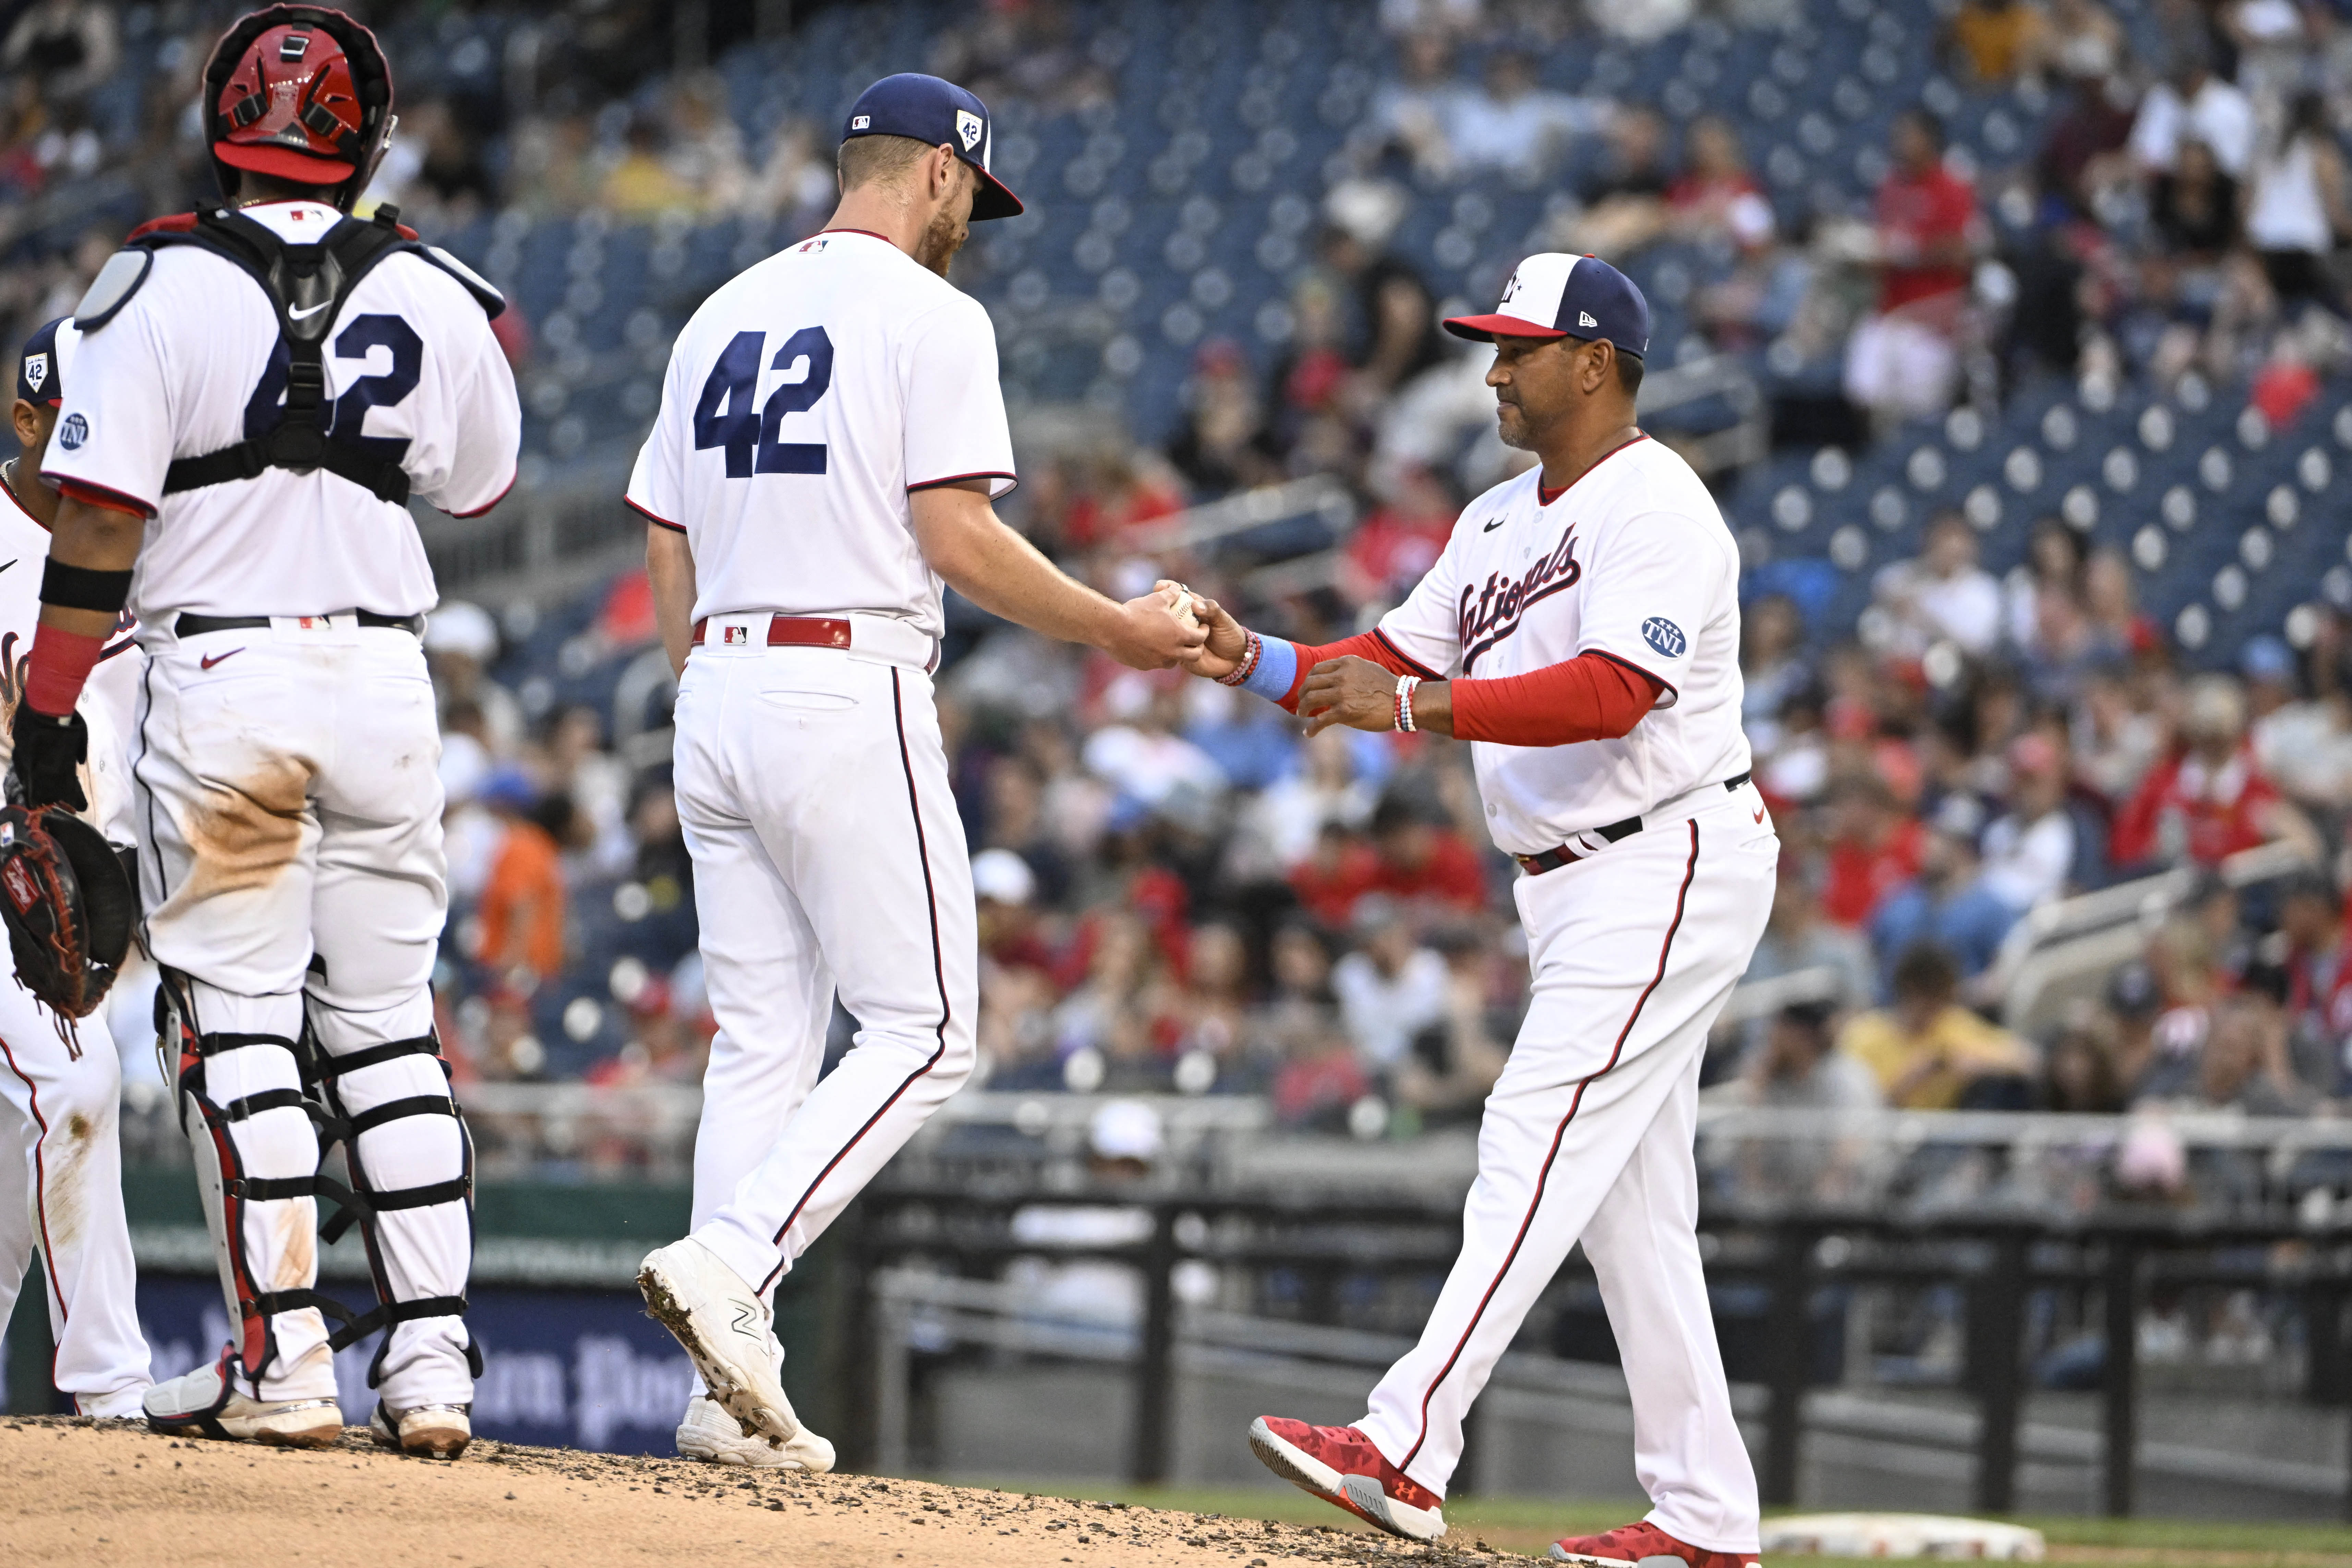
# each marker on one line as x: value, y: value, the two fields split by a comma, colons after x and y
x: 792, y: 631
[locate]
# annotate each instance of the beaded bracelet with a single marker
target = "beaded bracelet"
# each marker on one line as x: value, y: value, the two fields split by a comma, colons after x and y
x: 1252, y: 652
x: 1405, y: 686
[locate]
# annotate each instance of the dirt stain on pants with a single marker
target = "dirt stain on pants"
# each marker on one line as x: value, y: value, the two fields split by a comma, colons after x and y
x: 243, y: 836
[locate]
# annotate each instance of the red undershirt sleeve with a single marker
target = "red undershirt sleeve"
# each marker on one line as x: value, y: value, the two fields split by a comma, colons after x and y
x: 1365, y: 645
x: 1590, y: 698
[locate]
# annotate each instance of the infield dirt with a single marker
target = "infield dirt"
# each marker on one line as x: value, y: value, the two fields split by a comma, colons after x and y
x: 75, y: 1491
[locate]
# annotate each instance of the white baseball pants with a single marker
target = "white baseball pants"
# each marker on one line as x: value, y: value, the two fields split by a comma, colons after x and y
x: 290, y: 815
x: 61, y: 1192
x: 813, y: 788
x: 1589, y: 1136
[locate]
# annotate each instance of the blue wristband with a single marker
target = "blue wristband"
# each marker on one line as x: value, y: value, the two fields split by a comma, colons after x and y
x: 1277, y: 666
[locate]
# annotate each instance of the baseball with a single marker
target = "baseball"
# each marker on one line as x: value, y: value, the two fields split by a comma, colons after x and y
x: 1185, y: 614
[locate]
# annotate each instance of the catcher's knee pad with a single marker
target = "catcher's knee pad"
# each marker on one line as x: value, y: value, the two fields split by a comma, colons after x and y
x: 378, y: 1087
x: 228, y: 1136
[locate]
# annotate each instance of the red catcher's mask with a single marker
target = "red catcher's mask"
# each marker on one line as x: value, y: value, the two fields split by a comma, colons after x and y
x: 300, y: 93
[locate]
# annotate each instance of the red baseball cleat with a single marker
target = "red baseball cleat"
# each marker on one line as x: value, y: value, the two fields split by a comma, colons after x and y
x: 1340, y: 1465
x: 1644, y: 1545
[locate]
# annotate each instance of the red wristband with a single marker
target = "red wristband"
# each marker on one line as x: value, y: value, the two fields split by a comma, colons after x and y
x: 58, y: 667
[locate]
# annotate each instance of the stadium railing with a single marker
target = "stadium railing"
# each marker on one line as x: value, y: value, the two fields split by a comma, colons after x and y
x: 2063, y: 949
x: 922, y: 1253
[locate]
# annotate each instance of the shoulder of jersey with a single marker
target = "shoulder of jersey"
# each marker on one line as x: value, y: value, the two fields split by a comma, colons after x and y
x: 126, y: 272
x: 915, y: 289
x: 1518, y: 489
x: 1648, y: 475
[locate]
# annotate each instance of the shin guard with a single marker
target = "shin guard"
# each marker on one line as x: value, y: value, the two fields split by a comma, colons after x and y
x: 247, y: 1156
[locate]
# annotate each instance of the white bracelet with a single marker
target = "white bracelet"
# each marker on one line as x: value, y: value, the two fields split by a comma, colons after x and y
x: 1404, y: 690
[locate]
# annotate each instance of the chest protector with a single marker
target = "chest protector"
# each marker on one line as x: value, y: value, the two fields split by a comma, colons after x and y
x: 306, y: 285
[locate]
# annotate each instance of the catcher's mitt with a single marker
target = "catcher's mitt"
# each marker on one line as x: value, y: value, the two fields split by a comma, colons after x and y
x: 67, y: 906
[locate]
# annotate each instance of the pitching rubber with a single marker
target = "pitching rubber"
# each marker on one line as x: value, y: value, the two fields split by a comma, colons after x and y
x: 1359, y: 1495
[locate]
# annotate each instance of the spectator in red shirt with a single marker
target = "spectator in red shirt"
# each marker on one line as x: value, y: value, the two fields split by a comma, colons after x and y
x: 1419, y: 859
x: 1397, y: 545
x: 1873, y: 849
x: 1716, y: 198
x: 1338, y: 870
x: 1902, y: 362
x: 2209, y: 799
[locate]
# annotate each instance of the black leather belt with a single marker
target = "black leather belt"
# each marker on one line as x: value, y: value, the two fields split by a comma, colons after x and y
x: 194, y: 625
x: 1543, y: 861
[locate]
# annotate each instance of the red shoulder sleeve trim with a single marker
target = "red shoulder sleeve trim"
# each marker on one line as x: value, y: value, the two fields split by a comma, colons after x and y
x: 649, y: 517
x: 100, y: 496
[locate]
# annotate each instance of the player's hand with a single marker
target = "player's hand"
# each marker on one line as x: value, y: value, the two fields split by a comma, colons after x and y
x: 1148, y: 635
x: 1221, y: 654
x: 1351, y: 691
x: 47, y: 756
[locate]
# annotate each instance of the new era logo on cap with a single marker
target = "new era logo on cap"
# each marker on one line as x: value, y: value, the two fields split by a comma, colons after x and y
x: 1553, y: 295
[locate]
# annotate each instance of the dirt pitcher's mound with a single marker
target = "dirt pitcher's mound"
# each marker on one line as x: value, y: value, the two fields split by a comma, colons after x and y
x: 86, y: 1493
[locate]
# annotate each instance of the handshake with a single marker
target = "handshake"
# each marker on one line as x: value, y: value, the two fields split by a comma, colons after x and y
x: 1174, y: 626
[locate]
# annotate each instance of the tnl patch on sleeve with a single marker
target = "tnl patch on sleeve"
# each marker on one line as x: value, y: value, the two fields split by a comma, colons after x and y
x: 1664, y: 636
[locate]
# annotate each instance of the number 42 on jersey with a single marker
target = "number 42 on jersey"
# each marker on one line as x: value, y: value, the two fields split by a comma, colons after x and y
x: 723, y: 415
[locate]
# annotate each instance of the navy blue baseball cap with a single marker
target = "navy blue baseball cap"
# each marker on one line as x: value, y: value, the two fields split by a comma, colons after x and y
x: 936, y: 113
x: 40, y: 370
x: 1554, y: 295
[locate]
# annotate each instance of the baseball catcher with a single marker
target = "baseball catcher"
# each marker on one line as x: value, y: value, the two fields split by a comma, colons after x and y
x: 262, y: 385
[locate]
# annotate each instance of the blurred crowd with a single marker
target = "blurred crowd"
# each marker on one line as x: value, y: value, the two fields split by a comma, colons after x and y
x: 2008, y: 743
x: 1177, y: 891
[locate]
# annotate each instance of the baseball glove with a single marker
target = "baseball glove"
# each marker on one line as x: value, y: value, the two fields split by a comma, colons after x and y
x: 67, y: 905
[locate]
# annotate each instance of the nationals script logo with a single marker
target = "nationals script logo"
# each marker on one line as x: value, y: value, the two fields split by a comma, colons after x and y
x: 1495, y: 613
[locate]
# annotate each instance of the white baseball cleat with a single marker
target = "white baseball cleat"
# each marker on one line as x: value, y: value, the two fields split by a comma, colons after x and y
x: 428, y: 1431
x: 710, y: 1433
x: 207, y: 1401
x: 730, y: 1332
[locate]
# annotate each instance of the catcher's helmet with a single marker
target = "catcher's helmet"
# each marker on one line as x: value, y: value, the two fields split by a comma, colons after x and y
x: 300, y: 93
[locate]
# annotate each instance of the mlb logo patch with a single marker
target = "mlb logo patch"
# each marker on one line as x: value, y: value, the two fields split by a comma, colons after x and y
x: 735, y: 636
x: 862, y: 122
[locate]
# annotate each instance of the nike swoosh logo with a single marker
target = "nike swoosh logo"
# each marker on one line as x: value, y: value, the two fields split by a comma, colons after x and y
x: 212, y: 658
x: 4, y: 568
x: 306, y: 315
x: 1759, y: 814
x: 1494, y: 525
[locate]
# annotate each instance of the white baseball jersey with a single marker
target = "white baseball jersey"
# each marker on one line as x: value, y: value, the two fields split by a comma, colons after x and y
x: 807, y: 397
x: 1632, y: 561
x: 412, y: 369
x: 109, y: 701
